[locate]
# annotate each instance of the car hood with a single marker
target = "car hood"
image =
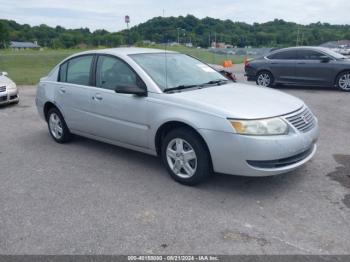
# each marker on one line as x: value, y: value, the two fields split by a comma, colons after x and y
x: 5, y: 81
x: 240, y: 101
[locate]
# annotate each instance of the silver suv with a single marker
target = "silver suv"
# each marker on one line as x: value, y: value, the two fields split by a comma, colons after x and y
x: 172, y: 105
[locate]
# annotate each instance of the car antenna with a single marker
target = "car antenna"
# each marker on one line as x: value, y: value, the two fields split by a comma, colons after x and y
x: 166, y: 64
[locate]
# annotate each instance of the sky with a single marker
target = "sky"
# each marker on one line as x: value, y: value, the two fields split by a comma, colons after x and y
x: 109, y: 14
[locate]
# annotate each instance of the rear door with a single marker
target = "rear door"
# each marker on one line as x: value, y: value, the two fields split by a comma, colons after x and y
x: 72, y: 92
x: 282, y: 65
x: 311, y: 70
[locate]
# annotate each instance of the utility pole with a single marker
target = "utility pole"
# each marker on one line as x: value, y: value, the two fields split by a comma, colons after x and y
x: 127, y: 21
x: 178, y: 35
x: 302, y: 38
x: 209, y: 40
x: 297, y: 44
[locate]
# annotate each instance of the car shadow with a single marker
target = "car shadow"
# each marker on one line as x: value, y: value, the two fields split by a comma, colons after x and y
x: 9, y: 105
x: 265, y: 187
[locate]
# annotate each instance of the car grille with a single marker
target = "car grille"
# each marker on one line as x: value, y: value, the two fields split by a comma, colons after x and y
x: 303, y: 121
x: 2, y: 88
x: 3, y: 98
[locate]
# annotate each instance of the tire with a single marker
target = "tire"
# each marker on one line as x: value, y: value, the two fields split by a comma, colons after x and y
x: 265, y: 79
x: 343, y: 81
x: 57, y: 126
x: 189, y: 166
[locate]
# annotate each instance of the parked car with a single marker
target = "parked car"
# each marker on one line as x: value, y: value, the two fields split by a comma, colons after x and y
x: 226, y: 73
x: 305, y: 66
x: 176, y: 107
x: 8, y: 90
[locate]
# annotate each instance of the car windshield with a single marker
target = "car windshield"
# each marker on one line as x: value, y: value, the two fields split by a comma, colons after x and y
x: 177, y: 71
x: 335, y: 54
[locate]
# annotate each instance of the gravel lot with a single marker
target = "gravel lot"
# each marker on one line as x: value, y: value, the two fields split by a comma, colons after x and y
x: 87, y: 197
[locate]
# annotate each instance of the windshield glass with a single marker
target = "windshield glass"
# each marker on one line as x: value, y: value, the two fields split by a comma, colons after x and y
x: 171, y: 70
x: 335, y: 54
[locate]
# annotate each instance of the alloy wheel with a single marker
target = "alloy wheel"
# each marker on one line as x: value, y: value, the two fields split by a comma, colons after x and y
x: 264, y: 79
x: 344, y: 82
x: 55, y: 124
x: 181, y: 158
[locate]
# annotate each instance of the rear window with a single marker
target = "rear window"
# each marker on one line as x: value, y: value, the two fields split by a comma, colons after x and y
x: 76, y: 70
x: 309, y: 55
x: 283, y: 55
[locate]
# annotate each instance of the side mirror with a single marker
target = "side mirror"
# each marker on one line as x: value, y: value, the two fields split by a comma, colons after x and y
x: 325, y: 59
x: 4, y: 73
x: 131, y: 89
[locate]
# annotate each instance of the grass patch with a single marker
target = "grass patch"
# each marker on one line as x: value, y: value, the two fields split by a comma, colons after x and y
x: 28, y: 66
x: 204, y: 55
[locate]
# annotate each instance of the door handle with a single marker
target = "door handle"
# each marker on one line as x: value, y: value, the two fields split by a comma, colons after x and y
x: 97, y: 97
x: 301, y: 63
x: 62, y: 90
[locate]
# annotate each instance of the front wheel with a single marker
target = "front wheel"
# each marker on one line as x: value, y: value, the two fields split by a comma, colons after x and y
x: 264, y: 79
x: 185, y: 156
x: 343, y: 81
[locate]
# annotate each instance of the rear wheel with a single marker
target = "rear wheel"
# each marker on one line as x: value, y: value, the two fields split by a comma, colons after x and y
x: 57, y: 126
x: 185, y: 156
x: 343, y: 81
x: 264, y: 79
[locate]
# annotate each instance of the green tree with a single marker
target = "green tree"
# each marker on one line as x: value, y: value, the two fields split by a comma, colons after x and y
x: 4, y: 35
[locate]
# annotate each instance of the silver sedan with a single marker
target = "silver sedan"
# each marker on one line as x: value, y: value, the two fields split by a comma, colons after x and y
x: 174, y: 106
x: 8, y: 90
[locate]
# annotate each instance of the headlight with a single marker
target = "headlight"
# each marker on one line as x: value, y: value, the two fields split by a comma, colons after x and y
x: 262, y: 127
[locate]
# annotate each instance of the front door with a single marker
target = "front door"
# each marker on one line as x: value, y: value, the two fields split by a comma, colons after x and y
x: 311, y: 70
x: 119, y: 117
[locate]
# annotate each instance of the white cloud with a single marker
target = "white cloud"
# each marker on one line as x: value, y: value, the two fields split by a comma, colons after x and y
x: 109, y: 14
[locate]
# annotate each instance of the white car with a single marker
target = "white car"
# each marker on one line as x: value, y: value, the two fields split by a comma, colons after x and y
x: 8, y: 90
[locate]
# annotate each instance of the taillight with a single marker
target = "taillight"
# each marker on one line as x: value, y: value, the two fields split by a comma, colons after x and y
x: 246, y: 62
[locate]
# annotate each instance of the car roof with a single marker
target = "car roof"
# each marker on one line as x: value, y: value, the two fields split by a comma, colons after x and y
x: 316, y: 48
x: 122, y: 51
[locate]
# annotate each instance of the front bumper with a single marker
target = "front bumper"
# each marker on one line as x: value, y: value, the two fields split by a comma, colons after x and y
x: 260, y: 155
x: 9, y: 96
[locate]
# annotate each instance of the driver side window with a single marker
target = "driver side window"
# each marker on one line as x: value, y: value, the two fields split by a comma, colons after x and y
x: 111, y: 72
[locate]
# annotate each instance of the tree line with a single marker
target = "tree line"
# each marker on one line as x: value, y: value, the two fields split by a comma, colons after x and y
x: 185, y: 29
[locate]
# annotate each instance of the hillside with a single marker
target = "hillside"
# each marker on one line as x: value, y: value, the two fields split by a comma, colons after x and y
x: 187, y: 29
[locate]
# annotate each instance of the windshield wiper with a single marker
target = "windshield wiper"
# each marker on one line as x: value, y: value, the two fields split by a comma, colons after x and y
x: 180, y: 87
x: 215, y: 82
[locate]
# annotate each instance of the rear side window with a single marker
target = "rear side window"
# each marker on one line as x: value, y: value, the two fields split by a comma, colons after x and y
x: 284, y: 55
x: 309, y: 55
x: 76, y: 70
x: 63, y: 73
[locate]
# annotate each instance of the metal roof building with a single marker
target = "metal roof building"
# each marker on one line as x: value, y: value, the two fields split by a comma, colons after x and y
x: 23, y: 45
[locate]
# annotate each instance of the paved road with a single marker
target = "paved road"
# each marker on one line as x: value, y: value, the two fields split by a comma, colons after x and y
x: 91, y: 198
